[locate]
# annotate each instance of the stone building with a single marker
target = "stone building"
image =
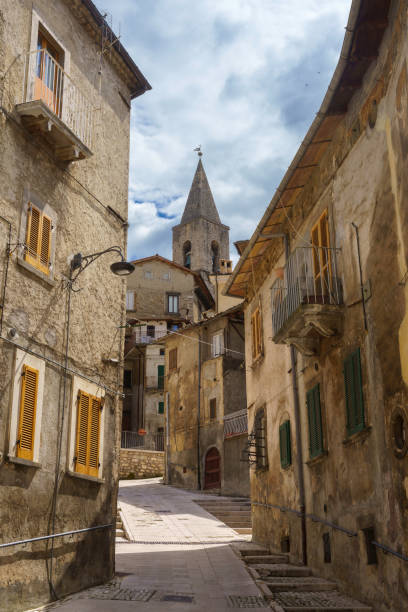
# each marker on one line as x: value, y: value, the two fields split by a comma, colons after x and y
x: 324, y: 278
x: 65, y: 93
x: 161, y: 296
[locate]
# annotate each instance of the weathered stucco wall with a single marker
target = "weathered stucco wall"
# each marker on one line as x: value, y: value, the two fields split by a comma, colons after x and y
x: 359, y: 481
x: 140, y: 464
x: 36, y: 308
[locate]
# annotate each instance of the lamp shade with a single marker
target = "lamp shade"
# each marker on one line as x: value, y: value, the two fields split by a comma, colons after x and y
x: 122, y: 268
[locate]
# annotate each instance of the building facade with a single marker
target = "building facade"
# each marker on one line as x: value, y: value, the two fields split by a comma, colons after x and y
x: 65, y: 97
x: 324, y: 279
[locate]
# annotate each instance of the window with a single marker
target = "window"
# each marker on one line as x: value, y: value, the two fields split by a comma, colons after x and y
x: 217, y: 344
x: 354, y: 393
x: 322, y: 271
x: 131, y: 300
x: 127, y: 379
x: 48, y: 82
x: 261, y: 456
x: 172, y: 303
x: 26, y: 410
x: 86, y: 458
x: 28, y: 407
x: 213, y: 408
x: 173, y: 359
x: 38, y: 239
x: 285, y: 445
x: 160, y: 377
x: 166, y: 276
x: 161, y: 351
x: 148, y: 274
x: 150, y: 331
x: 187, y: 254
x: 256, y: 329
x: 315, y: 421
x: 160, y: 410
x: 215, y: 257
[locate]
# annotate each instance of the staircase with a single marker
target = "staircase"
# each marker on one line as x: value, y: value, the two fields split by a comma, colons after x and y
x: 120, y: 532
x: 235, y: 512
x: 293, y: 588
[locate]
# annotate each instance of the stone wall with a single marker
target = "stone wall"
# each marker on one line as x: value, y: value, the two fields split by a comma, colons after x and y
x: 135, y: 463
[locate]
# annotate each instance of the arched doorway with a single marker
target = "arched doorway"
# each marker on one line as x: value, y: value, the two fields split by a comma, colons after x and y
x: 212, y: 476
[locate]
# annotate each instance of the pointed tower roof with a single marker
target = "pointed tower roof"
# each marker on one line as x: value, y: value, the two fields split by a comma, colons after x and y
x: 200, y: 201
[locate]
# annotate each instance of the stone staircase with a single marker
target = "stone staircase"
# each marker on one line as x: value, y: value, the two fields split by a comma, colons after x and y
x: 293, y: 588
x: 235, y: 512
x: 120, y: 532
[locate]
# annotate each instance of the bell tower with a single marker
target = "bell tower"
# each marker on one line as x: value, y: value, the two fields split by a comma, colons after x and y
x: 200, y: 241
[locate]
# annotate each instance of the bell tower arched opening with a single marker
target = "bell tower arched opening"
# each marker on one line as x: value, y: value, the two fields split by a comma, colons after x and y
x: 187, y: 254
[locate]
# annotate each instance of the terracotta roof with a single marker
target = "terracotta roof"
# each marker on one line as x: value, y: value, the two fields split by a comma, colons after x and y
x: 200, y: 202
x: 364, y: 32
x: 240, y: 246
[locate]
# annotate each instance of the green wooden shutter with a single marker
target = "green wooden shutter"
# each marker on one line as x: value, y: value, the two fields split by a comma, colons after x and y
x: 160, y: 376
x: 315, y: 421
x: 161, y: 406
x: 285, y: 444
x: 354, y: 393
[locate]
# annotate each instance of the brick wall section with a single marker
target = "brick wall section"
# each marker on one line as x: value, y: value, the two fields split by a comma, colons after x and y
x: 136, y: 463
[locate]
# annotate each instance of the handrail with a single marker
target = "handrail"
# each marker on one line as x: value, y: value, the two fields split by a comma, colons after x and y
x: 387, y: 550
x: 56, y: 535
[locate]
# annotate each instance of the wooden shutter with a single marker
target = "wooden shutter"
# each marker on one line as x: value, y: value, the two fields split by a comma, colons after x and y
x: 28, y: 407
x: 93, y: 445
x: 256, y: 327
x: 45, y: 245
x: 81, y: 463
x: 354, y: 393
x: 38, y: 239
x: 161, y: 407
x: 173, y: 359
x: 315, y: 421
x: 213, y: 408
x: 160, y: 377
x: 285, y: 444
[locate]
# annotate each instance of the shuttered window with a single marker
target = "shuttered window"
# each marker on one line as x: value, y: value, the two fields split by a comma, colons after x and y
x: 354, y: 393
x: 161, y: 408
x: 88, y: 433
x: 213, y: 408
x: 256, y: 329
x: 38, y: 239
x: 173, y: 359
x: 28, y: 408
x: 285, y: 445
x: 315, y: 421
x: 160, y: 377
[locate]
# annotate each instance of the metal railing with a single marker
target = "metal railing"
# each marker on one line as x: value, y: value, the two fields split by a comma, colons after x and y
x: 47, y: 81
x: 310, y: 277
x: 236, y: 423
x: 148, y: 441
x: 143, y: 336
x: 56, y: 535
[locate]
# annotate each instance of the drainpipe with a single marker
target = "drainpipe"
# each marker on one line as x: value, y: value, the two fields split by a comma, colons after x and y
x: 198, y: 414
x: 298, y: 432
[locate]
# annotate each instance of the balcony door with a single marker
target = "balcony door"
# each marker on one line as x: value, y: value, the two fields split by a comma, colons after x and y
x: 322, y: 269
x: 48, y: 76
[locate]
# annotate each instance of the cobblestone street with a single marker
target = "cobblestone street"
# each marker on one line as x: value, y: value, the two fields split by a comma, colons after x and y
x: 179, y: 557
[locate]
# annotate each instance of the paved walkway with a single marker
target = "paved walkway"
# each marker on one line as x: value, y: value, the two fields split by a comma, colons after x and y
x: 179, y: 557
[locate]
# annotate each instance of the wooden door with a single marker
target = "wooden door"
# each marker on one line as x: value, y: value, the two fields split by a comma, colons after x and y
x: 212, y: 479
x: 48, y: 79
x: 321, y: 256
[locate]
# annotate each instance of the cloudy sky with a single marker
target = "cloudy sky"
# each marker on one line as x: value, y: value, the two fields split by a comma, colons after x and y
x: 243, y: 78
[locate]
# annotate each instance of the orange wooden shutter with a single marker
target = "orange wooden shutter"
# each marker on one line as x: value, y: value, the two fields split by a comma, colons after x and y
x: 33, y: 234
x: 81, y: 463
x: 93, y: 447
x: 45, y: 244
x: 28, y: 406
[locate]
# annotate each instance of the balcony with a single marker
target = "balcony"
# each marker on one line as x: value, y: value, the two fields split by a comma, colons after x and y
x: 52, y: 105
x: 148, y: 336
x: 236, y: 424
x: 149, y: 441
x: 307, y: 302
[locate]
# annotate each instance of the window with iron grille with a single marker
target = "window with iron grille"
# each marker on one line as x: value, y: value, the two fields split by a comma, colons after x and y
x: 261, y: 455
x: 354, y: 393
x: 213, y: 408
x: 315, y: 421
x: 173, y: 359
x: 285, y: 445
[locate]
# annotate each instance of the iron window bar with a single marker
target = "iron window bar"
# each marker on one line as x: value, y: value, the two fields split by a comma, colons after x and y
x: 56, y: 535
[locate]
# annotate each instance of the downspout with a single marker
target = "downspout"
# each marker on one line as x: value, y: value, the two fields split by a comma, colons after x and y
x: 167, y: 454
x: 298, y: 429
x: 199, y: 414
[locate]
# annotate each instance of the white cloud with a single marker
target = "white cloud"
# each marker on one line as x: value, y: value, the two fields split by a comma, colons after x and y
x: 241, y: 77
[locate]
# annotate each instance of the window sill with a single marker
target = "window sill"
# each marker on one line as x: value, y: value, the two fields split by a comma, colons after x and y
x: 359, y: 436
x: 26, y: 462
x: 317, y: 459
x: 85, y: 477
x: 45, y: 277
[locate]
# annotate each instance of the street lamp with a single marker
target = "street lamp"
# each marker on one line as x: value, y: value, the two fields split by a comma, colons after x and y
x: 121, y: 268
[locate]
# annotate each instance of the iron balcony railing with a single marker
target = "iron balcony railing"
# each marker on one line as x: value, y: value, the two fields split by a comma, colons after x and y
x: 236, y: 423
x: 148, y: 441
x: 310, y: 277
x: 47, y: 81
x: 143, y: 336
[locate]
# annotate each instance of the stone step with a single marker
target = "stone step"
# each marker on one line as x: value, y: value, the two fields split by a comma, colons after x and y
x: 252, y: 551
x: 298, y: 583
x: 281, y: 569
x: 318, y: 601
x: 224, y: 509
x: 243, y: 530
x: 120, y: 533
x: 118, y: 524
x: 232, y: 515
x: 268, y: 559
x: 237, y: 525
